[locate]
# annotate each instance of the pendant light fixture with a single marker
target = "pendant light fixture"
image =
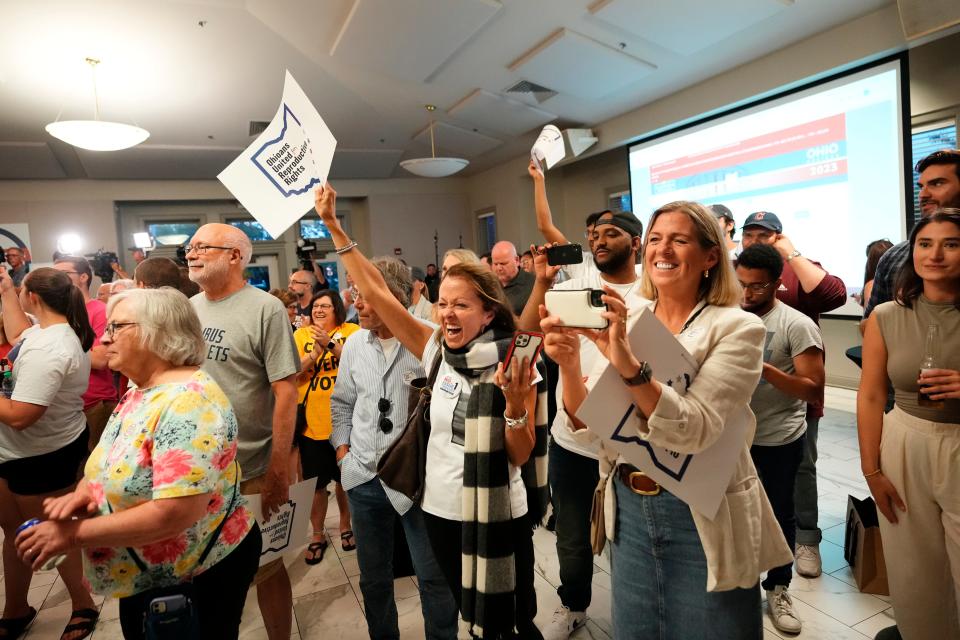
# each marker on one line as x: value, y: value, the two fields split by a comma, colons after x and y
x: 433, y: 167
x: 97, y: 134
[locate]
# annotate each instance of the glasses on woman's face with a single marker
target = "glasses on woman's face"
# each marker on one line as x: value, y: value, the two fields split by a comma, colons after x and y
x: 385, y: 423
x: 113, y: 327
x: 323, y: 307
x: 756, y: 287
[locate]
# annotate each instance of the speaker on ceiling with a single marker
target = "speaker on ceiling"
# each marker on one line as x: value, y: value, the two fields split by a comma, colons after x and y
x: 922, y: 17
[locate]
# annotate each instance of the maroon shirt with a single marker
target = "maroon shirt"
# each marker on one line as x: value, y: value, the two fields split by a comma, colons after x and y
x: 830, y: 294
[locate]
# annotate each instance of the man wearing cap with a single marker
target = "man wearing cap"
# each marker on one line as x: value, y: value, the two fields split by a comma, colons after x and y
x: 809, y: 289
x: 728, y: 224
x: 420, y: 306
x: 573, y: 470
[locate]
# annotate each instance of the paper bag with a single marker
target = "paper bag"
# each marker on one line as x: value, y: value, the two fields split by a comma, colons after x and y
x: 862, y: 547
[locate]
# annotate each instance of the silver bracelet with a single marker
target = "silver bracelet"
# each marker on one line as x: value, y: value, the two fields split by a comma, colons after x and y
x: 342, y: 250
x: 516, y: 423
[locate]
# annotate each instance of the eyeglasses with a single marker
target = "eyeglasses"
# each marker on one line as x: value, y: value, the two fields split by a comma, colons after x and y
x: 112, y: 327
x: 325, y: 307
x: 756, y: 287
x: 383, y: 406
x: 201, y: 249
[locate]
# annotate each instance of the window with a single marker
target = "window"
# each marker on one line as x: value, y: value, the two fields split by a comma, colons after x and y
x: 252, y: 228
x: 313, y: 230
x: 172, y: 233
x: 926, y: 140
x: 486, y: 231
x: 619, y: 200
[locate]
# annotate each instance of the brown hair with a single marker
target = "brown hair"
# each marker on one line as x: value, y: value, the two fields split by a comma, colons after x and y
x: 158, y: 272
x: 56, y: 290
x: 490, y: 292
x: 909, y: 284
x: 80, y: 264
x: 339, y: 311
x: 284, y: 296
x: 875, y: 251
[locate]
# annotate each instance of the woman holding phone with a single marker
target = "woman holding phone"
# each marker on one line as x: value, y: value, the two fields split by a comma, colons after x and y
x: 476, y: 407
x: 677, y: 573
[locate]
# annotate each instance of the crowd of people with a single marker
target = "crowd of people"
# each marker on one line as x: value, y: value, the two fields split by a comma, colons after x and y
x: 139, y: 421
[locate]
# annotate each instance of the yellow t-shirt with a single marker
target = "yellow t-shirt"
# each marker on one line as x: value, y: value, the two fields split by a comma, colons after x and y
x: 319, y: 425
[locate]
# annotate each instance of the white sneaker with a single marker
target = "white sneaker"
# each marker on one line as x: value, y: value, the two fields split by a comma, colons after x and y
x: 808, y: 560
x: 564, y: 623
x: 780, y: 606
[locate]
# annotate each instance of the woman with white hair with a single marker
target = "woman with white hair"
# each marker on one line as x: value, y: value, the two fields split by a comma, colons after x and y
x: 162, y: 482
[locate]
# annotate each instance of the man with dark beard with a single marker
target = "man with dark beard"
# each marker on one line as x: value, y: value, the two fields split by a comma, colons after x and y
x: 574, y: 471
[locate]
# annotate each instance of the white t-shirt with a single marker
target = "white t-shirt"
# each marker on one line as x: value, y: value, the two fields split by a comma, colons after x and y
x: 443, y: 490
x: 590, y: 356
x: 586, y: 269
x: 388, y: 345
x: 52, y: 371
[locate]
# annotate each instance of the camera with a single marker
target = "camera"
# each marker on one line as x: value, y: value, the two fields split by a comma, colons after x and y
x: 102, y: 262
x: 305, y: 254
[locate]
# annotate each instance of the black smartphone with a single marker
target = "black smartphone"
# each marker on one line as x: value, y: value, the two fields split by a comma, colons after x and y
x: 170, y: 618
x: 564, y: 254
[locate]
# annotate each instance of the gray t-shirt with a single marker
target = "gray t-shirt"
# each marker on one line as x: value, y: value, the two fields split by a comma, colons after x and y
x: 249, y: 346
x: 52, y: 371
x: 781, y: 418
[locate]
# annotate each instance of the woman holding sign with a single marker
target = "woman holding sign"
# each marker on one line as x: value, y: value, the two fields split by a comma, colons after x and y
x: 677, y: 573
x: 319, y: 345
x: 162, y: 483
x: 485, y: 483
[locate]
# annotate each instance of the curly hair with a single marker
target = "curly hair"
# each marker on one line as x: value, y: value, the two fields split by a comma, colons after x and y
x: 762, y: 256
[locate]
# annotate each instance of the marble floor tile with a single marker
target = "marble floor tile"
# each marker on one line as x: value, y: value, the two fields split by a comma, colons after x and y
x: 837, y: 599
x: 333, y: 613
x: 873, y: 625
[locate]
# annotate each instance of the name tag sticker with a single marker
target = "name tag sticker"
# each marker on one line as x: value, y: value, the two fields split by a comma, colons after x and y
x: 449, y: 385
x: 409, y: 377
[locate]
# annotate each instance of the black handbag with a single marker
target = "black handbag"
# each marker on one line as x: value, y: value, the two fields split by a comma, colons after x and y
x: 404, y: 465
x: 172, y: 611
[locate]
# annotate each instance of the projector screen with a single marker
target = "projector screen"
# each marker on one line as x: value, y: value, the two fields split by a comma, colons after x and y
x: 827, y: 159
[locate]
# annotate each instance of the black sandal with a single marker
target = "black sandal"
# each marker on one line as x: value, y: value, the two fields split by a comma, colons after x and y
x: 13, y: 628
x: 344, y: 537
x: 89, y: 619
x: 312, y: 549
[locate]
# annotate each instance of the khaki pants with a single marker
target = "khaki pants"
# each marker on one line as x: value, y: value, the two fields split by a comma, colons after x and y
x: 98, y: 414
x: 922, y: 551
x: 251, y: 487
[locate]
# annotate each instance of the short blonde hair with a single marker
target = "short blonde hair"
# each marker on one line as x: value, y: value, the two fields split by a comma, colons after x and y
x: 167, y: 323
x: 721, y: 288
x: 465, y: 256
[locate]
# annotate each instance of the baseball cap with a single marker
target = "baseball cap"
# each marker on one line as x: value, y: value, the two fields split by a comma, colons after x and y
x: 764, y: 219
x: 417, y: 274
x: 623, y: 220
x: 722, y: 211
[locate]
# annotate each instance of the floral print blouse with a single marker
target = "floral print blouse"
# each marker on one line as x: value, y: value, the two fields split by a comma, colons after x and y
x: 167, y: 441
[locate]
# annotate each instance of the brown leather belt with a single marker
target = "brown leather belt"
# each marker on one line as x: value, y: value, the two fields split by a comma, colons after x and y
x: 637, y: 481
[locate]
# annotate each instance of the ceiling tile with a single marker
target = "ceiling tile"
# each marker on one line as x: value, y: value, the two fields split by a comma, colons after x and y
x: 494, y: 112
x: 401, y: 41
x: 157, y: 162
x: 686, y: 26
x: 364, y: 163
x: 28, y: 161
x: 454, y: 140
x: 572, y: 63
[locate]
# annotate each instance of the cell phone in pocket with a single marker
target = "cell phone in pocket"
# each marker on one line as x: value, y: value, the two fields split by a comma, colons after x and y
x: 564, y: 254
x: 171, y: 618
x: 579, y: 308
x: 526, y: 344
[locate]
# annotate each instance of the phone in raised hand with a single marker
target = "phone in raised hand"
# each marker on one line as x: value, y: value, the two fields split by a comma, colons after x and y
x: 526, y: 344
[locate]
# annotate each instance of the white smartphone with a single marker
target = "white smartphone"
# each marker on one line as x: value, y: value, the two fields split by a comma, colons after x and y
x: 577, y: 308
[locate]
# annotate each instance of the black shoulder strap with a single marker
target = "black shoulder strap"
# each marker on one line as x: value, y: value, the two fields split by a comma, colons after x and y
x: 316, y: 372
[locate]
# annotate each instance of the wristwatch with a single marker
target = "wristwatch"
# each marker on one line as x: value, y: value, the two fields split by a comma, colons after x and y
x: 643, y: 376
x: 793, y: 254
x: 331, y: 345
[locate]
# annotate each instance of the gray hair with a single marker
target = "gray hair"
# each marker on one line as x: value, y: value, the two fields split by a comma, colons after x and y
x: 122, y: 285
x: 397, y: 276
x: 167, y: 323
x: 241, y: 241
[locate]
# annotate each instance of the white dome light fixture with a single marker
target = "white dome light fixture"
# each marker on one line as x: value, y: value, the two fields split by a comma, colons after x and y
x: 433, y: 167
x: 97, y: 134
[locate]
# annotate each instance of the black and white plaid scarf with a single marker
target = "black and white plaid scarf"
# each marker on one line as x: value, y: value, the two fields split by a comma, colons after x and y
x: 489, y: 574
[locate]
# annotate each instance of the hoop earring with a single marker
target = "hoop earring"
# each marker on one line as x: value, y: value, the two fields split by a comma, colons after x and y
x: 706, y: 274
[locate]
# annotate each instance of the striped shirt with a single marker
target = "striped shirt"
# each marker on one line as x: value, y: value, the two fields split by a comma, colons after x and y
x: 367, y: 375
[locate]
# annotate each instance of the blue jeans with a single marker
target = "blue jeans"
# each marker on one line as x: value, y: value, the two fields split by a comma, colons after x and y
x: 805, y: 491
x: 373, y: 520
x: 660, y: 577
x: 573, y: 478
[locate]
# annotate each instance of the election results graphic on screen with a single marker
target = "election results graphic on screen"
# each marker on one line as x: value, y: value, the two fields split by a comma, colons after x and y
x: 828, y: 161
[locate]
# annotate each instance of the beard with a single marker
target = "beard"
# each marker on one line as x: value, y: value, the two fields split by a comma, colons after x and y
x: 211, y: 272
x: 616, y: 259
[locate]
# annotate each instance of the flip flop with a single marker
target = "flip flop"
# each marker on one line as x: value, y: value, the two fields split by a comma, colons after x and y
x: 89, y: 619
x: 312, y: 549
x: 344, y: 537
x: 13, y: 628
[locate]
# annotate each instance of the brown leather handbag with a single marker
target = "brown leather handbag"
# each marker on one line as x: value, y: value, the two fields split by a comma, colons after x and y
x: 404, y: 465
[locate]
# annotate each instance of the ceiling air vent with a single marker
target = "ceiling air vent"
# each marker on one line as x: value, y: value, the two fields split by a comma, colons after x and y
x: 257, y: 127
x: 539, y: 92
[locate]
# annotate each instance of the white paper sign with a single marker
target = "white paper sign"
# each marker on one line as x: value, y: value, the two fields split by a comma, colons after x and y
x: 700, y: 479
x: 548, y: 148
x: 274, y: 177
x: 288, y: 528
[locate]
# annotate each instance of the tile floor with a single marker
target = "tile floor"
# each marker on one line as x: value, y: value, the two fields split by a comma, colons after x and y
x: 328, y: 602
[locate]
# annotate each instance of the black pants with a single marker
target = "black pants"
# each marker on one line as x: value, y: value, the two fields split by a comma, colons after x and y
x: 777, y: 468
x: 219, y: 594
x: 446, y: 541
